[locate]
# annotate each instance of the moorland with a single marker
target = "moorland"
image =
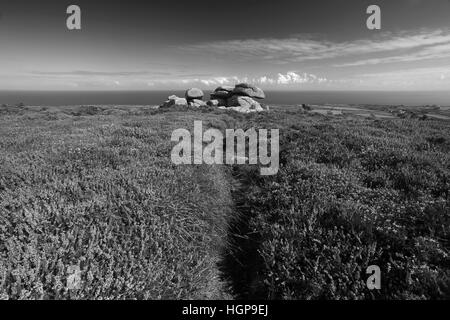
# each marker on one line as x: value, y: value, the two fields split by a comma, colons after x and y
x: 93, y: 186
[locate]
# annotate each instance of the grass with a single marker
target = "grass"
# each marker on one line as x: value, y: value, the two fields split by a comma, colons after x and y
x: 94, y: 187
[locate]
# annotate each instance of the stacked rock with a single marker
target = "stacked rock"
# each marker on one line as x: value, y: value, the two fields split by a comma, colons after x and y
x: 194, y: 97
x: 249, y: 90
x: 240, y: 98
x: 174, y: 101
x: 220, y: 95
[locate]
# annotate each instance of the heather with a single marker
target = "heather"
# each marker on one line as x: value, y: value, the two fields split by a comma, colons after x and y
x: 351, y: 193
x: 94, y: 187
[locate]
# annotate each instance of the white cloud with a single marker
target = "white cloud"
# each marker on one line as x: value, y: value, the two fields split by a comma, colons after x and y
x: 292, y: 78
x: 306, y: 49
x: 418, y: 73
x: 424, y: 53
x: 430, y: 78
x: 280, y: 79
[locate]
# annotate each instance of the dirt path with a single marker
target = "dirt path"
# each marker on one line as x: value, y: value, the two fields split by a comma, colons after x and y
x: 241, y: 261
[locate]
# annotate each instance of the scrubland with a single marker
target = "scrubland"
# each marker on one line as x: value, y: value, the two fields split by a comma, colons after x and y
x: 94, y: 187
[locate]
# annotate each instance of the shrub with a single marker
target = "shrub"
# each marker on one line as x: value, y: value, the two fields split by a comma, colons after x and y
x: 349, y: 195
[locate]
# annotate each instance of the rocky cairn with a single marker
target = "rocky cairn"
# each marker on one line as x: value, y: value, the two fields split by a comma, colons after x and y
x: 174, y: 101
x: 240, y: 98
x: 194, y: 97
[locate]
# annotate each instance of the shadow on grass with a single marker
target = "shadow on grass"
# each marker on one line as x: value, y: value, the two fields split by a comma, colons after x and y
x: 241, y: 262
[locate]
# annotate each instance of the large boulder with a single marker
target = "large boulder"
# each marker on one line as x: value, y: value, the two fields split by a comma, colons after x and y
x: 217, y: 102
x: 225, y: 88
x: 222, y: 92
x: 240, y: 109
x: 243, y: 104
x: 243, y: 109
x: 221, y: 95
x: 194, y: 93
x: 174, y: 101
x: 249, y: 90
x: 197, y: 103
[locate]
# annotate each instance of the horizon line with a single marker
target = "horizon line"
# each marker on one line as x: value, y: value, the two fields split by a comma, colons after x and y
x: 175, y: 89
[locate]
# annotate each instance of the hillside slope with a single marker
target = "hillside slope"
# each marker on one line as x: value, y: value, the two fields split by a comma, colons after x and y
x: 95, y: 188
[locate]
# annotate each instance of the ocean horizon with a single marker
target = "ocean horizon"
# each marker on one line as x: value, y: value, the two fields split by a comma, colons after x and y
x: 61, y: 98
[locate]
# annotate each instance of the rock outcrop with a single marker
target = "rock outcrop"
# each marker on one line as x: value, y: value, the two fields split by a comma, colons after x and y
x: 240, y: 98
x: 193, y: 93
x: 174, y: 101
x: 217, y: 102
x: 249, y: 90
x: 197, y: 103
x: 194, y: 98
x: 243, y: 104
x: 223, y: 92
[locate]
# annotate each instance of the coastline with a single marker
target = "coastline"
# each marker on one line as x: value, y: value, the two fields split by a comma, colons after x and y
x: 336, y: 110
x: 393, y: 98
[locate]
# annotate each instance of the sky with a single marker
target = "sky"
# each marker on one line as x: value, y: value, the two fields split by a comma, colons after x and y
x: 277, y: 45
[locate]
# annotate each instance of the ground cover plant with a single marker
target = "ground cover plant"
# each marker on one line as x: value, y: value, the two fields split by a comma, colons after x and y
x: 97, y: 190
x: 349, y: 194
x: 94, y: 187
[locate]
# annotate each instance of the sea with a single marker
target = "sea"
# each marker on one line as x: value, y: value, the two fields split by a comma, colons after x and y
x: 63, y: 98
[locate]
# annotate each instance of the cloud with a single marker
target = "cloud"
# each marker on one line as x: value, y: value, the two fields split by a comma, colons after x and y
x: 275, y: 80
x: 300, y: 49
x: 417, y: 73
x: 295, y: 78
x: 99, y: 73
x: 426, y: 78
x: 424, y: 53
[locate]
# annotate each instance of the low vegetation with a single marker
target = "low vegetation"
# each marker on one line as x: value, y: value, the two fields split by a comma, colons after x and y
x: 96, y: 190
x: 349, y: 194
x: 94, y: 187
